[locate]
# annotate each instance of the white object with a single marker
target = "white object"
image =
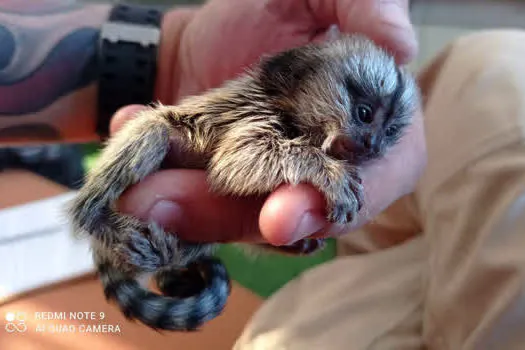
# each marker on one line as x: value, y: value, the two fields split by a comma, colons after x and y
x: 37, y: 248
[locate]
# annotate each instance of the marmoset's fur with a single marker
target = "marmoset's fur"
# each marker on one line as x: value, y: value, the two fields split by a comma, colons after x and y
x: 313, y: 114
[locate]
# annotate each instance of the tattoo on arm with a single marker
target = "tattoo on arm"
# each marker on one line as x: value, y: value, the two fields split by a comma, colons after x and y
x: 42, y: 7
x: 47, y: 69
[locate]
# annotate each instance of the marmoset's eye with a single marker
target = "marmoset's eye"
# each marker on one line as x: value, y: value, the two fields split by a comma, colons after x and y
x: 392, y: 130
x: 364, y: 113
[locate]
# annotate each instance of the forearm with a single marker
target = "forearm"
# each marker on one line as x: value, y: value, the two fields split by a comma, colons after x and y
x: 48, y: 72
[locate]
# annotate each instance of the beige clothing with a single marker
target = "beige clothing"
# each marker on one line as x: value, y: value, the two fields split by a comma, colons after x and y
x: 443, y: 268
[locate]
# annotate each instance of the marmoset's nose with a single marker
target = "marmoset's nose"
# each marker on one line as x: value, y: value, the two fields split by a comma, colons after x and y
x: 369, y: 141
x: 372, y: 143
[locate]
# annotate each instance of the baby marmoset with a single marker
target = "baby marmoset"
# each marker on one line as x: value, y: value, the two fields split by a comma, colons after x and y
x: 313, y: 114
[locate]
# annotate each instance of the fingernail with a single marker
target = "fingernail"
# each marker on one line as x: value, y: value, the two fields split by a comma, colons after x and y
x: 400, y: 30
x: 395, y: 13
x: 309, y: 224
x: 166, y: 214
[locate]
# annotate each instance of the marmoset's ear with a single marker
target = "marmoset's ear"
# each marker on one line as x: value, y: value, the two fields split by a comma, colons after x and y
x: 283, y: 72
x: 332, y: 33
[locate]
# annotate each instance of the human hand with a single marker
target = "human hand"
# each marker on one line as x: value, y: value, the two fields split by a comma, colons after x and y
x: 202, y: 216
x: 222, y: 38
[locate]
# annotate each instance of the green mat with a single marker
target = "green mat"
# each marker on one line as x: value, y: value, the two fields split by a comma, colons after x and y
x: 263, y: 275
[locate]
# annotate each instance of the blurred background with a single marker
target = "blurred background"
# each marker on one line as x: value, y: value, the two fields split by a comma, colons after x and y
x: 35, y: 249
x: 437, y: 23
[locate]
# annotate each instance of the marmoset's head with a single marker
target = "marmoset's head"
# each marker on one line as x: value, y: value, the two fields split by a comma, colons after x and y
x: 349, y: 90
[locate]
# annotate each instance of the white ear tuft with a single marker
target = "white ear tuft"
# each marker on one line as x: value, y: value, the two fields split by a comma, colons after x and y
x: 332, y: 33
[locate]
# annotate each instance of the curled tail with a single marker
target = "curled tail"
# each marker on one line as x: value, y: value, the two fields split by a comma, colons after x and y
x: 185, y: 308
x: 124, y: 248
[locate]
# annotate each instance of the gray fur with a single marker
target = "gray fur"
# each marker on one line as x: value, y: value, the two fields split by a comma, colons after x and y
x: 293, y: 119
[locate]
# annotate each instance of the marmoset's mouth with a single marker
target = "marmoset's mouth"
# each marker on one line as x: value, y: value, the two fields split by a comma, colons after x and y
x: 343, y: 147
x: 339, y: 147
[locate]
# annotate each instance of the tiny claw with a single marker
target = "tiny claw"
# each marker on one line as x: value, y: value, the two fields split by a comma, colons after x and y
x: 349, y: 217
x: 360, y: 201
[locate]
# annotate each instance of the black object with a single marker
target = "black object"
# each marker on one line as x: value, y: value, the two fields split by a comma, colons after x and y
x: 127, y: 60
x: 59, y: 163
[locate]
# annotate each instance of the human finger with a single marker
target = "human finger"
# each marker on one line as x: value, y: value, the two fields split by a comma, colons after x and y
x: 386, y: 22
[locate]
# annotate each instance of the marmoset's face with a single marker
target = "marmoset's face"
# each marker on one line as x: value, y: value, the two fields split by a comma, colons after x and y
x: 350, y: 88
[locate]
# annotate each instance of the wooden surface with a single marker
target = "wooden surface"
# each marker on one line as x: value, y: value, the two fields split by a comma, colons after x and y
x: 19, y: 187
x: 106, y: 328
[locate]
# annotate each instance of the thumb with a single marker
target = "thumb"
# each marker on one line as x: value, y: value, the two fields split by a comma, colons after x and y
x: 385, y: 22
x: 123, y: 115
